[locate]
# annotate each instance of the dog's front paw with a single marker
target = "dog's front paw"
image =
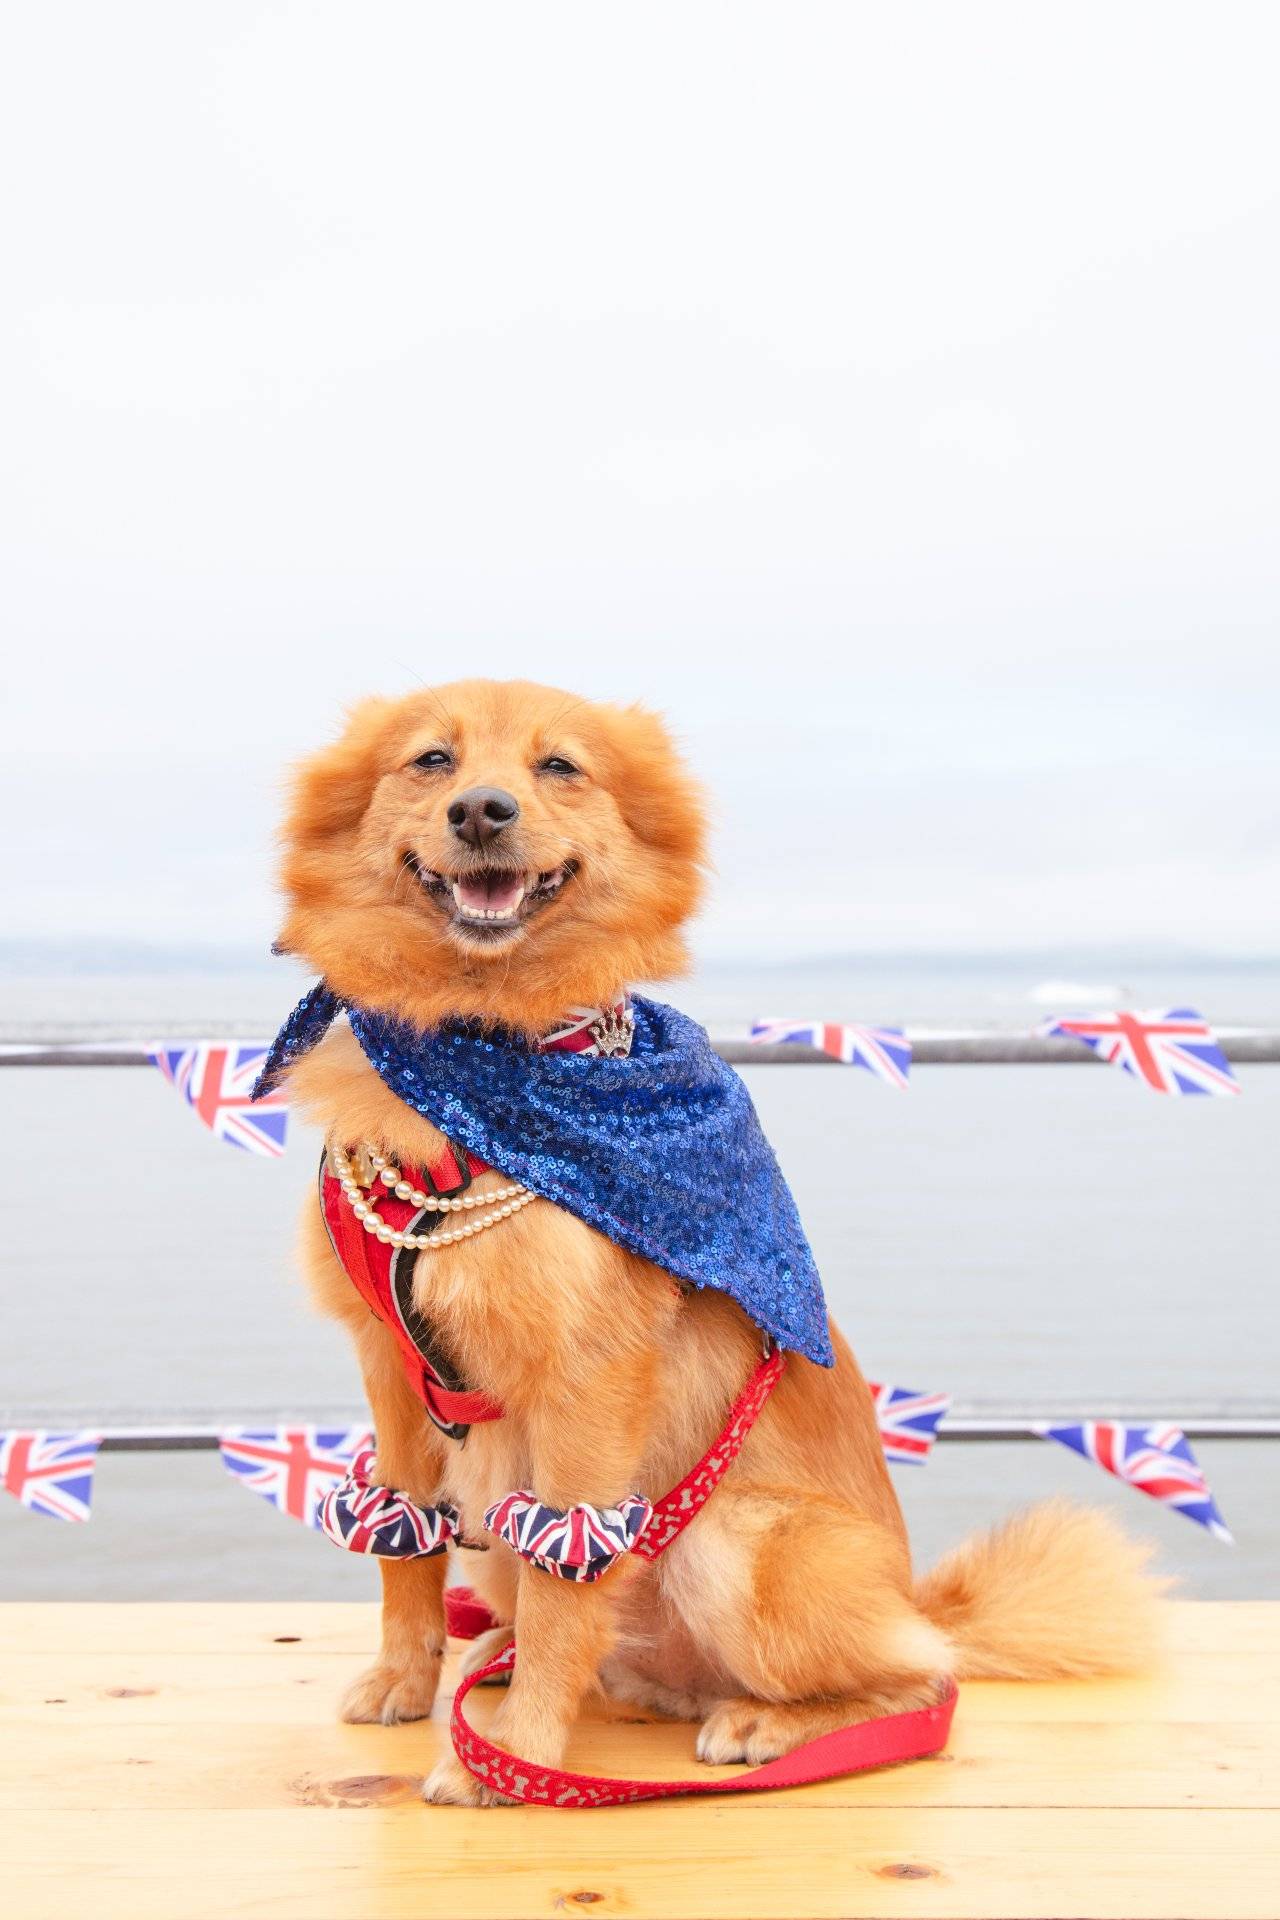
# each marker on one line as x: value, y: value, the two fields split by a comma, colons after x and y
x: 390, y: 1694
x: 449, y: 1784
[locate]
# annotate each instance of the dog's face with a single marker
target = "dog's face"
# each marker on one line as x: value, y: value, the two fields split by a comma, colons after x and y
x: 495, y: 849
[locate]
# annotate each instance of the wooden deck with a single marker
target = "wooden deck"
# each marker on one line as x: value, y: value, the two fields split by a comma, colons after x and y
x: 175, y: 1762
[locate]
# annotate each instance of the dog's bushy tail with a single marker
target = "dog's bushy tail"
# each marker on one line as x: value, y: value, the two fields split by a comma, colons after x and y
x: 1057, y: 1592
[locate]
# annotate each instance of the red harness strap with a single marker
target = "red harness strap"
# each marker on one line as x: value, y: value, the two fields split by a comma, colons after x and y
x: 672, y: 1514
x: 383, y: 1276
x: 869, y: 1743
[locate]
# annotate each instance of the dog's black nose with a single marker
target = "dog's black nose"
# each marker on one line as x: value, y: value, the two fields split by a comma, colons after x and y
x: 483, y: 812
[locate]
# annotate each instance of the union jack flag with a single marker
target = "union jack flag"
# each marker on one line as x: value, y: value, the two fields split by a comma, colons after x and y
x: 52, y: 1473
x: 215, y: 1078
x: 358, y: 1514
x: 1157, y: 1460
x: 1172, y: 1048
x: 579, y: 1544
x: 884, y: 1051
x: 908, y: 1422
x: 292, y: 1467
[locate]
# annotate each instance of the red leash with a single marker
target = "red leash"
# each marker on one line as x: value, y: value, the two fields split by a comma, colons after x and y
x: 869, y: 1743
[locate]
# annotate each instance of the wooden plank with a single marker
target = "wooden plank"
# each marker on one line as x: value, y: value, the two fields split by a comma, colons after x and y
x: 336, y: 1626
x: 207, y: 1626
x: 189, y: 1764
x: 264, y: 1689
x: 786, y: 1860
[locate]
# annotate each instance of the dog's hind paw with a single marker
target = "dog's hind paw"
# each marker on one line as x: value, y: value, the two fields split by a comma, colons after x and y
x: 732, y: 1731
x: 391, y: 1694
x: 761, y: 1730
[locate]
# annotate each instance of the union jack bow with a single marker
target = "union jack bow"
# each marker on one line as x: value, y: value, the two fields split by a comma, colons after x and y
x: 1172, y: 1049
x: 215, y: 1078
x: 51, y: 1473
x: 1157, y: 1460
x: 908, y: 1421
x: 365, y: 1518
x: 884, y: 1051
x: 292, y: 1467
x: 579, y: 1544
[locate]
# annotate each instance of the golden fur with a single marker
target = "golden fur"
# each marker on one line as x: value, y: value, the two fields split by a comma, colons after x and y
x: 789, y: 1607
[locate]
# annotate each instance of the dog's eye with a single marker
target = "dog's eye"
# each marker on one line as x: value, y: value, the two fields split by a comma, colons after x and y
x: 434, y: 757
x: 555, y: 764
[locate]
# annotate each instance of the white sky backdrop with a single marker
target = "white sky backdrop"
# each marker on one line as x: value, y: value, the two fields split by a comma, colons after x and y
x: 888, y: 393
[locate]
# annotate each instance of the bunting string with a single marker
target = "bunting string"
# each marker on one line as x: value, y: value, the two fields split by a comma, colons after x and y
x: 309, y: 1473
x: 1171, y: 1050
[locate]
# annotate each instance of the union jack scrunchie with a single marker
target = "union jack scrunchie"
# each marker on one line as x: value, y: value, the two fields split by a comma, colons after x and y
x: 365, y: 1518
x: 579, y: 1544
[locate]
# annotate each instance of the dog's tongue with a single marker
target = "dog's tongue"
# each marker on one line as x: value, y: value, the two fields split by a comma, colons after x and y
x: 492, y: 892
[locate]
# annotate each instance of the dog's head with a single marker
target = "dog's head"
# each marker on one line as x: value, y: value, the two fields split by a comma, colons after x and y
x: 492, y: 849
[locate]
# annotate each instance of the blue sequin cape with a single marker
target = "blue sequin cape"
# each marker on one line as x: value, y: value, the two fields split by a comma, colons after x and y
x: 660, y: 1150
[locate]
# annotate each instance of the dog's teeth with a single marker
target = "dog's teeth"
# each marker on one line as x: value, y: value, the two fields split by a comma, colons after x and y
x: 479, y: 914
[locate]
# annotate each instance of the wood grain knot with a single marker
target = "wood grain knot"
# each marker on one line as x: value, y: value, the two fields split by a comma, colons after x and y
x: 129, y: 1693
x: 907, y: 1870
x: 359, y: 1790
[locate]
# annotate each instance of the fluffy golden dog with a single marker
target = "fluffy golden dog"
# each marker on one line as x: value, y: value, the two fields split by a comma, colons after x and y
x: 503, y: 851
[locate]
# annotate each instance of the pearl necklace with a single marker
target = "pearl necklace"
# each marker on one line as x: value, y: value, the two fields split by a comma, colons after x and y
x: 504, y: 1202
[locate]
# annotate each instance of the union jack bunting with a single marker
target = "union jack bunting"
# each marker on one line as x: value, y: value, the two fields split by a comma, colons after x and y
x: 578, y: 1545
x: 884, y: 1051
x: 1157, y: 1460
x: 365, y: 1518
x: 292, y: 1467
x: 51, y: 1473
x: 908, y: 1421
x: 215, y: 1078
x: 1172, y: 1049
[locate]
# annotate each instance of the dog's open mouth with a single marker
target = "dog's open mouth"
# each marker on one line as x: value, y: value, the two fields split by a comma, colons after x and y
x: 490, y: 903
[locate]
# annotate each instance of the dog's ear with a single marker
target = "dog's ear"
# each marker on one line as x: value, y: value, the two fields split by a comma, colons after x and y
x: 330, y: 791
x: 656, y: 794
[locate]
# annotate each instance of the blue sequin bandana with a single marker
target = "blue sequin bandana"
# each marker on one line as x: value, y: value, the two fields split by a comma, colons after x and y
x: 662, y: 1151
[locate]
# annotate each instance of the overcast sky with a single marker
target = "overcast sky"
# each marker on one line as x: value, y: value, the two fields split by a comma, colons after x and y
x: 887, y: 393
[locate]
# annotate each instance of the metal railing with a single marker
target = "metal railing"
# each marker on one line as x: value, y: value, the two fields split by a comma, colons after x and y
x: 930, y: 1047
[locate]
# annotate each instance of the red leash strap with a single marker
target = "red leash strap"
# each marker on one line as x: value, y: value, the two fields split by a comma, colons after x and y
x: 869, y: 1743
x: 465, y: 1617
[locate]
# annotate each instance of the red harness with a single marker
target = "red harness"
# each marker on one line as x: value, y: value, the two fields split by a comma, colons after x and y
x: 383, y: 1276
